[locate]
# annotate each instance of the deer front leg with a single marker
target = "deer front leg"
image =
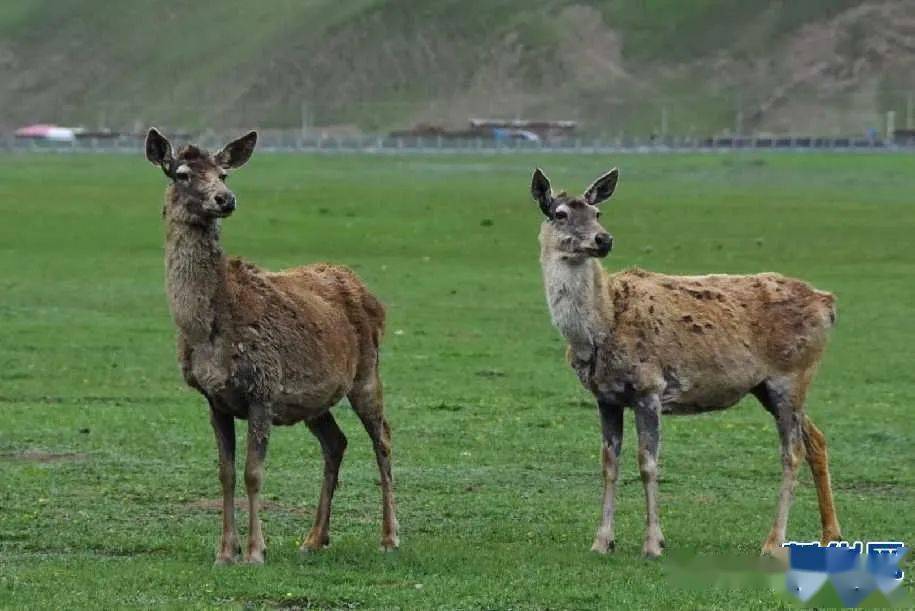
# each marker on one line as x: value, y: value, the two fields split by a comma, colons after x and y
x: 224, y: 428
x: 648, y: 424
x: 611, y: 418
x: 258, y: 435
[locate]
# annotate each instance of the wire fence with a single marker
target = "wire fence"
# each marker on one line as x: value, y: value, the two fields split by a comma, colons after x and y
x: 752, y: 118
x: 293, y: 141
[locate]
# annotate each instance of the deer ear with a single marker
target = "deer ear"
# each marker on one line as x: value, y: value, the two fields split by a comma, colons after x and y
x: 158, y: 148
x: 602, y: 188
x: 541, y: 191
x: 238, y: 152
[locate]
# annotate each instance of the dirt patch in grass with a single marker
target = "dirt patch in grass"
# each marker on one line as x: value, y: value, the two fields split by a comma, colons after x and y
x: 116, y: 400
x: 302, y: 602
x: 448, y: 407
x: 43, y: 457
x: 490, y: 373
x: 241, y: 503
x: 870, y: 487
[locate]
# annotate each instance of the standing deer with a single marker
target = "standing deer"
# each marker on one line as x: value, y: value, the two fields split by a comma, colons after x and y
x: 272, y: 348
x: 681, y: 345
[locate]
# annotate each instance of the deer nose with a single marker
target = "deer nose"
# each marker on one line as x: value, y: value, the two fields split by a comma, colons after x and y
x: 604, y: 241
x: 226, y: 201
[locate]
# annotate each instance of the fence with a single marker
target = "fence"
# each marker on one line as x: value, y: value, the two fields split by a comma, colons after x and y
x: 294, y: 141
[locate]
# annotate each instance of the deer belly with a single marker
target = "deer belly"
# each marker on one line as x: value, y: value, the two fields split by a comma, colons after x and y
x: 686, y: 407
x: 314, y: 393
x: 706, y: 394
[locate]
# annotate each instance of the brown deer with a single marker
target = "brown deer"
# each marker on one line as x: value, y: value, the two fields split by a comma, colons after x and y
x: 272, y: 348
x: 681, y: 345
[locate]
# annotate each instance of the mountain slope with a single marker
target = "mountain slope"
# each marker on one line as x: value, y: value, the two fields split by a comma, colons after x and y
x: 618, y: 66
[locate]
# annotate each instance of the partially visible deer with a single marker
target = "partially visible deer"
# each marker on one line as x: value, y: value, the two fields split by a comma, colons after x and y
x: 681, y: 345
x: 272, y: 348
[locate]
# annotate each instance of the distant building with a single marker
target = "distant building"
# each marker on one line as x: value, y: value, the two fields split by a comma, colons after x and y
x: 544, y: 131
x: 496, y: 129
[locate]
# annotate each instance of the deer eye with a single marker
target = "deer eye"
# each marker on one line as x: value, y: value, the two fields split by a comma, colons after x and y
x: 183, y: 176
x: 560, y: 215
x: 223, y: 177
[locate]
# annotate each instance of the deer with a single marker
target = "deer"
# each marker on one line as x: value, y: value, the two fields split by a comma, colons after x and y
x: 662, y: 344
x: 272, y: 348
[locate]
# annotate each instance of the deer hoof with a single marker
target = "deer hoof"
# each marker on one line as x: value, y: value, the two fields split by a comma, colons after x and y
x: 602, y: 546
x: 314, y: 544
x: 830, y: 535
x: 776, y: 552
x: 772, y: 547
x: 652, y: 549
x: 228, y: 554
x: 256, y: 557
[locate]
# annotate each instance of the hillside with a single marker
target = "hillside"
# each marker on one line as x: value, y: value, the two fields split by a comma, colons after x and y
x: 618, y: 66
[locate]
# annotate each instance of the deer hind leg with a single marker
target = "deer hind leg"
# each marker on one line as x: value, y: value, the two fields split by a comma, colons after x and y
x: 258, y: 436
x: 366, y: 399
x: 648, y: 424
x: 611, y: 417
x: 818, y: 460
x: 333, y: 445
x: 224, y: 428
x: 784, y: 399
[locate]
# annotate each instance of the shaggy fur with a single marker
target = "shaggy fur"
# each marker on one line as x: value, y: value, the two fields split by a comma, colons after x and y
x: 271, y: 348
x: 681, y: 345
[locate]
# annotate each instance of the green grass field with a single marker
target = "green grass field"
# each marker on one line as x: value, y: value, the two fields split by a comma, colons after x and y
x: 108, y: 467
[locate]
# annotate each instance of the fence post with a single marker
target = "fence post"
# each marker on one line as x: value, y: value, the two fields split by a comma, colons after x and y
x: 910, y: 112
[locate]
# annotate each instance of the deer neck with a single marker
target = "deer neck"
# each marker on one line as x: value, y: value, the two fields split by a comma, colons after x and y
x: 195, y: 277
x: 578, y: 299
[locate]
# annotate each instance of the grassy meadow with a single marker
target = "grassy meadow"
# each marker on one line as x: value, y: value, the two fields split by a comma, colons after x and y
x: 108, y: 488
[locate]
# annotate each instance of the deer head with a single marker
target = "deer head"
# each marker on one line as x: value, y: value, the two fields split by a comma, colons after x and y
x: 571, y: 228
x: 198, y: 193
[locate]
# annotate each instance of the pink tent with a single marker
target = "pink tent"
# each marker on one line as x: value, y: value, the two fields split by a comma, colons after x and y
x: 42, y: 131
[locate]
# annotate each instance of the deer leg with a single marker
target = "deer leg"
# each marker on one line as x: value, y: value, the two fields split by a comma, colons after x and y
x: 367, y: 401
x: 789, y: 431
x: 818, y: 460
x: 648, y: 424
x: 333, y: 444
x: 784, y: 399
x: 611, y: 418
x: 258, y: 435
x: 224, y: 428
